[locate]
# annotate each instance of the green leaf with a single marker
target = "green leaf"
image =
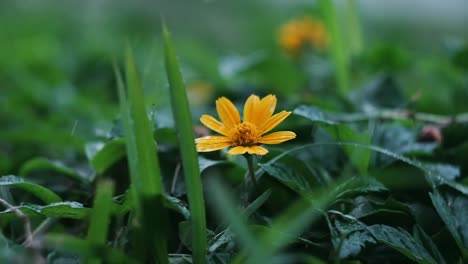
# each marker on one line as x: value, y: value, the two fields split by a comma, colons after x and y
x: 205, y: 163
x: 348, y: 234
x: 427, y: 242
x: 177, y: 205
x: 183, y: 120
x: 382, y: 92
x: 103, y: 155
x: 48, y: 168
x: 359, y: 185
x: 100, y: 216
x: 340, y: 132
x: 40, y: 192
x: 401, y: 241
x: 293, y: 173
x: 452, y: 209
x: 72, y: 210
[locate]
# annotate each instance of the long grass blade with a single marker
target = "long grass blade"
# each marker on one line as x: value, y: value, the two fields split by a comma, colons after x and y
x: 183, y: 120
x: 354, y: 26
x: 338, y: 50
x: 150, y: 238
x: 100, y: 216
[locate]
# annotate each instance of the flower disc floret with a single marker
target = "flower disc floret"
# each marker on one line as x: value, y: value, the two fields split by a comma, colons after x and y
x: 244, y: 134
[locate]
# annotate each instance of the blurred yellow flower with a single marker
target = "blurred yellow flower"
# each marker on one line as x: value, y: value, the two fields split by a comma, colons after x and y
x: 199, y: 92
x: 244, y: 136
x: 299, y: 33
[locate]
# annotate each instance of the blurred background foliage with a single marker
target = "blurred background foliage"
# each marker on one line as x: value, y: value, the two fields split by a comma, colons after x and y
x: 58, y: 87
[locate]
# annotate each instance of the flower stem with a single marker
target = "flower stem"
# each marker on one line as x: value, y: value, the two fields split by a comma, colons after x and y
x: 250, y: 165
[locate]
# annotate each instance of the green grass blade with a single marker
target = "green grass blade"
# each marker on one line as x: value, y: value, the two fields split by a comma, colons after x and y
x: 183, y: 120
x: 100, y: 216
x: 338, y: 50
x: 226, y: 208
x: 86, y: 249
x: 150, y: 238
x: 354, y: 27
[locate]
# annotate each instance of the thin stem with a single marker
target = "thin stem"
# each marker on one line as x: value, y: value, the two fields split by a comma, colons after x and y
x: 176, y: 176
x: 251, y: 169
x: 29, y: 240
x: 402, y: 115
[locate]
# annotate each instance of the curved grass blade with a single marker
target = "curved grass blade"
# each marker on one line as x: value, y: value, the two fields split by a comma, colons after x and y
x: 183, y: 120
x: 46, y: 195
x: 150, y: 238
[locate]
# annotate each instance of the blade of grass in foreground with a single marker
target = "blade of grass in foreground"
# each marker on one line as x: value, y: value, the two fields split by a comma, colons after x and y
x: 337, y: 48
x: 100, y: 216
x: 226, y: 208
x: 150, y: 238
x: 84, y: 248
x: 183, y: 120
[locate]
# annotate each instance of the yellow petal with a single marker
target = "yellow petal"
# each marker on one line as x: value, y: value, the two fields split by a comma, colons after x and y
x: 227, y: 112
x: 249, y: 108
x: 211, y: 147
x: 212, y: 140
x: 212, y: 143
x: 273, y: 121
x: 257, y: 150
x: 238, y: 150
x: 264, y: 109
x: 213, y: 124
x: 277, y: 137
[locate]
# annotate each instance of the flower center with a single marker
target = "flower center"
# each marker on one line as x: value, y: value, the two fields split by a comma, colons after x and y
x: 244, y: 134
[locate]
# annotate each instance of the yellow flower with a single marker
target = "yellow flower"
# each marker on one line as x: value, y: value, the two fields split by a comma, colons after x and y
x: 244, y: 136
x: 297, y: 34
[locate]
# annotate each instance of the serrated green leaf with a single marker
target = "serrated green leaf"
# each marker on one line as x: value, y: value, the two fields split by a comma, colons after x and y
x: 359, y: 185
x: 401, y: 241
x: 349, y: 235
